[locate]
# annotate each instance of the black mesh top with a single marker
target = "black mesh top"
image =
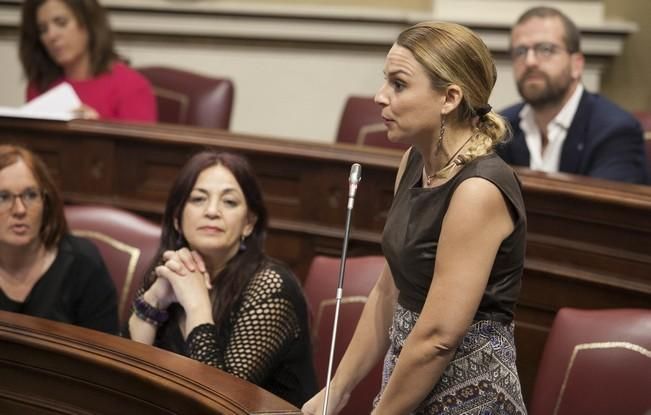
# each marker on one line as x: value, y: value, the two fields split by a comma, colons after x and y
x: 413, y: 227
x: 268, y: 342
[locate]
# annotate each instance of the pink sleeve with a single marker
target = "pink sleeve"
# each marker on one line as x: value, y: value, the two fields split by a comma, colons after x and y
x: 137, y: 103
x: 31, y: 92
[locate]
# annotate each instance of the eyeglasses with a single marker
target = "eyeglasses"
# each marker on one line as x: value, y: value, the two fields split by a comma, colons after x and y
x: 29, y: 198
x: 542, y: 51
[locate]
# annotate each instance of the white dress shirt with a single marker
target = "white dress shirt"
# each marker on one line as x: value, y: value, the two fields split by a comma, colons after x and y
x: 550, y: 159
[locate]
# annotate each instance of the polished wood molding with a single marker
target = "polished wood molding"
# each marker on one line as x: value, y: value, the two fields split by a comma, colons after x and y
x: 55, y: 368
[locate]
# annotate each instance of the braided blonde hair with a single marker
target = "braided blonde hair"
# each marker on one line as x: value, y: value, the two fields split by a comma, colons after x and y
x: 452, y: 54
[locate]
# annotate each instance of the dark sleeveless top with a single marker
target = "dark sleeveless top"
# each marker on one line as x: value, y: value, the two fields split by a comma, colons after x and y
x: 413, y: 227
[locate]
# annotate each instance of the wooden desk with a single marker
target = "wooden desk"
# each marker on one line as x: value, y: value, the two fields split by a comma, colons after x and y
x: 48, y: 367
x: 589, y: 241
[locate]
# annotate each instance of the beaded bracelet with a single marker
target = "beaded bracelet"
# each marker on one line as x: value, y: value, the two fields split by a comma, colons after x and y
x: 147, y: 312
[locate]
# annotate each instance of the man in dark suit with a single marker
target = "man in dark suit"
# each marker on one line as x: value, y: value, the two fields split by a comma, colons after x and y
x: 560, y: 126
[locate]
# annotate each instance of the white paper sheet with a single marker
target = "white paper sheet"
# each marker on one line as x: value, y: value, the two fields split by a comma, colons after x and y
x: 41, y: 115
x: 56, y: 104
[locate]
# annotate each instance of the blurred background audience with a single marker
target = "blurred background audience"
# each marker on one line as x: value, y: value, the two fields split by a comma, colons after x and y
x: 71, y: 41
x: 561, y: 126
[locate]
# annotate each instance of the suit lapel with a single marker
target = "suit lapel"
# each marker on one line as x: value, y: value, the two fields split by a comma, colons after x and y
x: 519, y: 149
x: 576, y: 140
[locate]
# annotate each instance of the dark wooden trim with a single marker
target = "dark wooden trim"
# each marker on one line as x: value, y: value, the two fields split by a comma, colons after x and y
x: 51, y: 367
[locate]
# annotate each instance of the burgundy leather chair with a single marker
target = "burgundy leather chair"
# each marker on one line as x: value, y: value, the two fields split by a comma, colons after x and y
x: 595, y: 362
x: 320, y: 289
x: 126, y: 242
x: 362, y: 124
x: 186, y: 98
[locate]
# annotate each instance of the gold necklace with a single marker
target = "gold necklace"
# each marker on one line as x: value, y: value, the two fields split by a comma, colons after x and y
x: 455, y: 159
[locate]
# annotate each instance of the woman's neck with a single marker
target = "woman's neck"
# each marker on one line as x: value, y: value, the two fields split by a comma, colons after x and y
x: 437, y: 157
x: 216, y: 262
x: 214, y: 269
x: 15, y: 261
x: 79, y: 70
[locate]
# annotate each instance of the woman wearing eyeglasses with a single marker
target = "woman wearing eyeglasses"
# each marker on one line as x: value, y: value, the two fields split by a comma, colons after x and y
x: 44, y: 271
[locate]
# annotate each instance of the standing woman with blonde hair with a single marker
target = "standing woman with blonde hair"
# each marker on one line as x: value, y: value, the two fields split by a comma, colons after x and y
x: 442, y: 310
x: 71, y: 41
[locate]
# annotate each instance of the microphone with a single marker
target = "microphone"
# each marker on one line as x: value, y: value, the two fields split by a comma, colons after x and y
x: 353, y: 180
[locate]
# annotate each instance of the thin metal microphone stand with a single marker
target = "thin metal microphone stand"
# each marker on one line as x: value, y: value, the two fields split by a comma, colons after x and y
x: 340, y: 290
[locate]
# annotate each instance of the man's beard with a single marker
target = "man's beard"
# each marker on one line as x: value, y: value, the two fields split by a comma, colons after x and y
x: 550, y: 95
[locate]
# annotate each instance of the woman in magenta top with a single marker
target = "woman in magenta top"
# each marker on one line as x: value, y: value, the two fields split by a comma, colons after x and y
x: 71, y: 41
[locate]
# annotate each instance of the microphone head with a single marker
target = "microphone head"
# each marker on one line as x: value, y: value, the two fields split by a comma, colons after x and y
x: 355, y: 173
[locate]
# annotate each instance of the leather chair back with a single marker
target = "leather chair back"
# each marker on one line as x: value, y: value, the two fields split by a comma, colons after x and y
x: 186, y: 98
x: 595, y: 362
x: 362, y: 124
x: 126, y: 242
x: 320, y: 289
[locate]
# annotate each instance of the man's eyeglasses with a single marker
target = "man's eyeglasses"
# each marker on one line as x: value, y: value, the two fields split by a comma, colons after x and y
x: 541, y: 51
x: 29, y: 198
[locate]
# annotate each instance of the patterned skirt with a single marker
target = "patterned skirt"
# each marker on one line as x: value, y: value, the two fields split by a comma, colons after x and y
x: 481, y: 379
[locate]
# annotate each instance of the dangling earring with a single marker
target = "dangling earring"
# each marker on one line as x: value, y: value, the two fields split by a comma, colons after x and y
x: 439, y: 144
x: 242, y: 244
x: 179, y: 239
